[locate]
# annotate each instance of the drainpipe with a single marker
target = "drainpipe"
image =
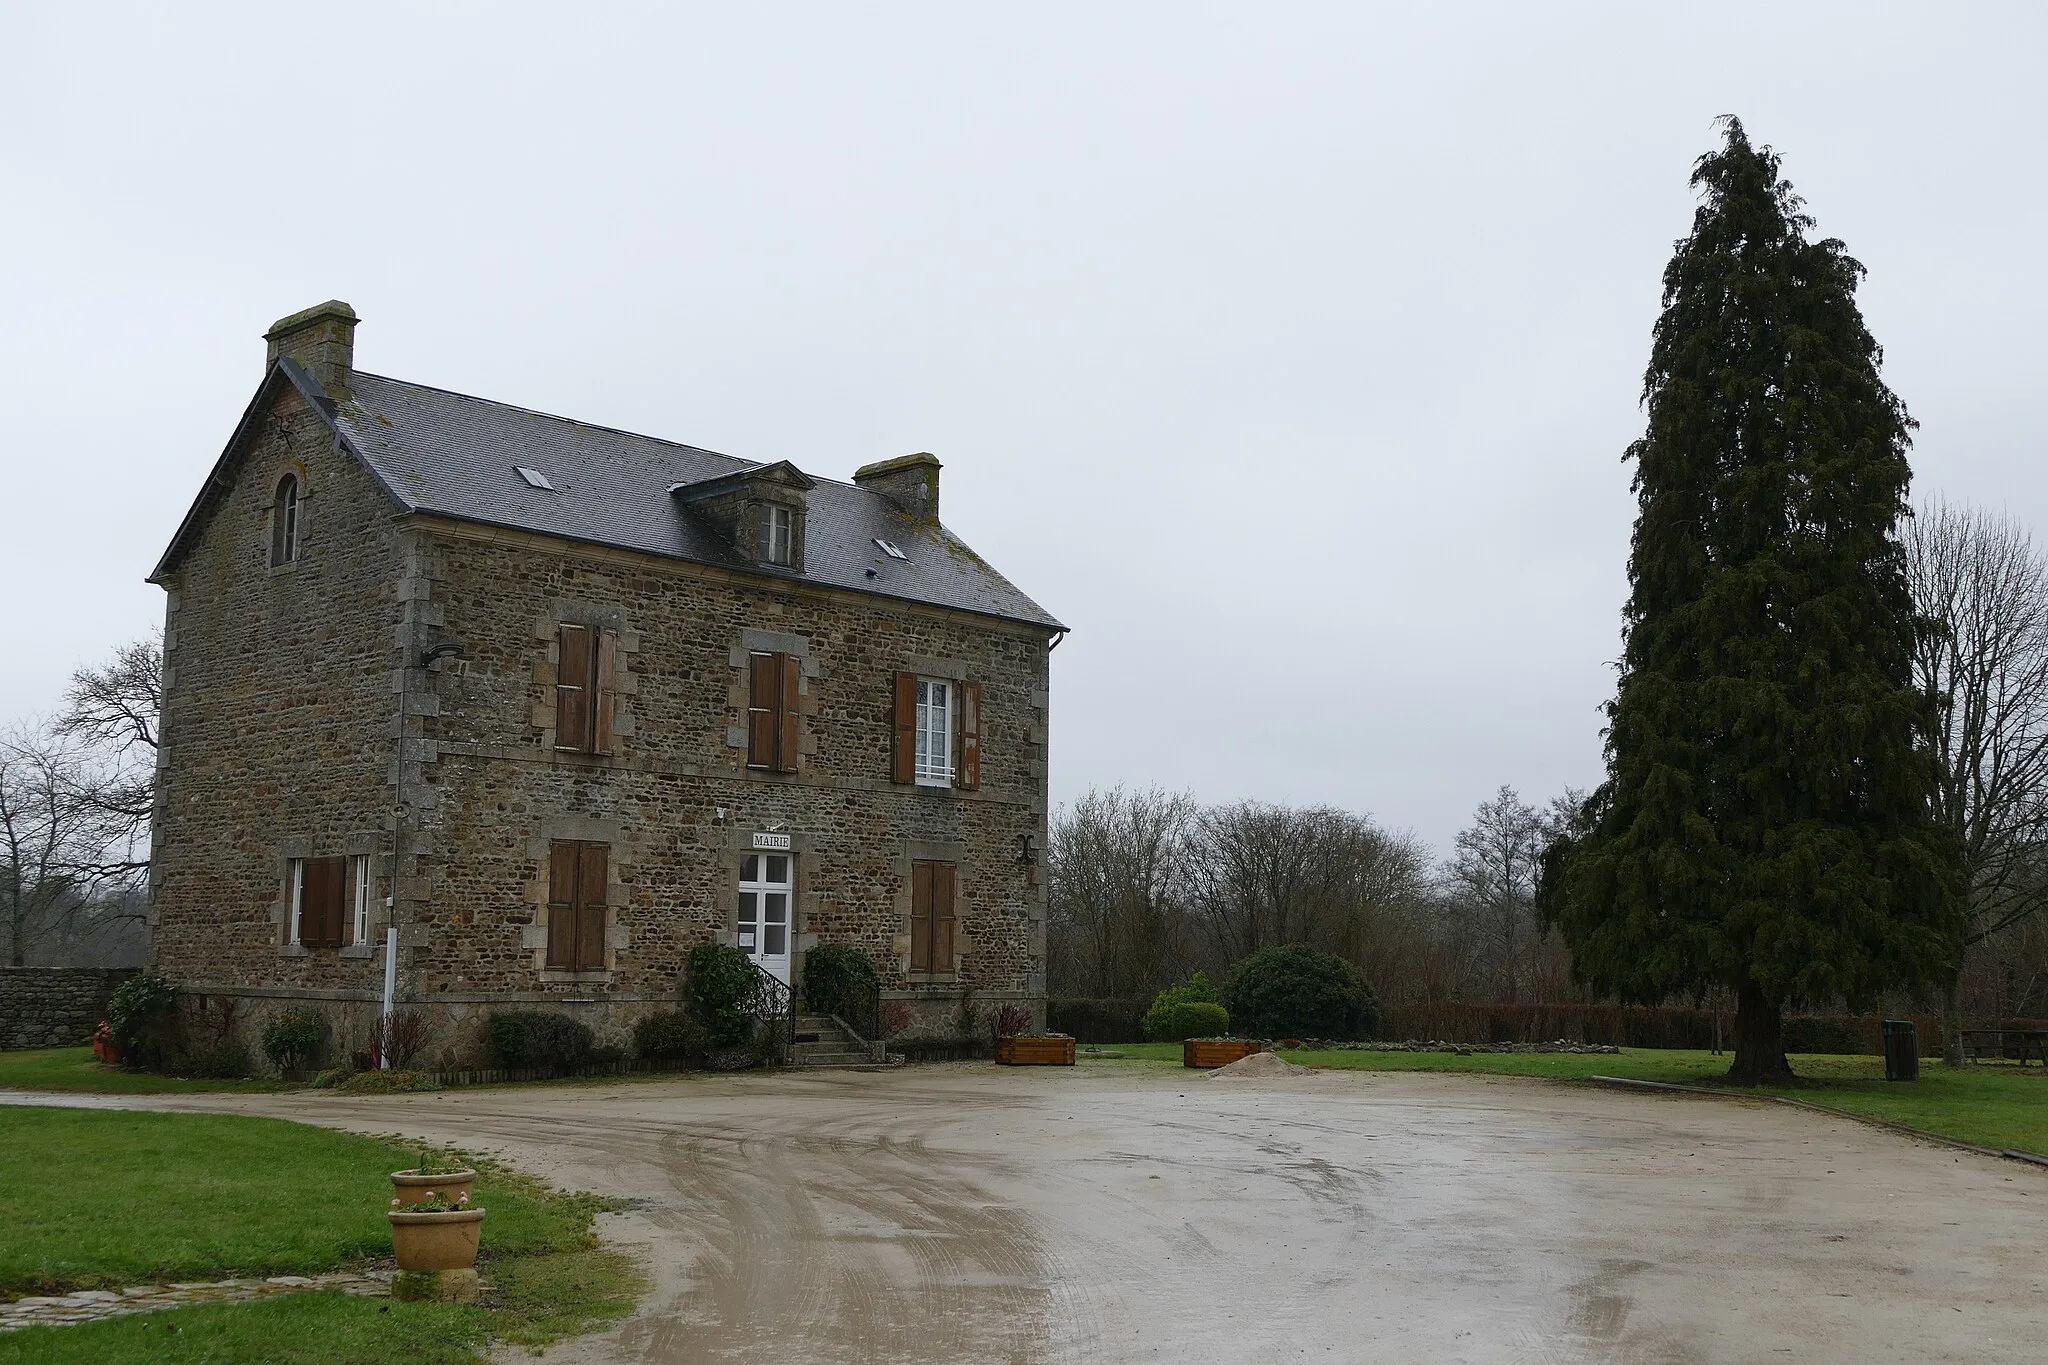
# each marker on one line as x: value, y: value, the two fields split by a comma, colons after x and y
x: 440, y: 649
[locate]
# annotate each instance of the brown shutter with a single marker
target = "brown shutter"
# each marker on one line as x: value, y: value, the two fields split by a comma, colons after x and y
x: 322, y: 888
x: 905, y: 768
x: 970, y: 737
x: 790, y: 669
x: 942, y: 917
x: 562, y: 869
x: 764, y: 684
x: 921, y: 916
x: 590, y: 891
x: 572, y: 687
x: 606, y: 685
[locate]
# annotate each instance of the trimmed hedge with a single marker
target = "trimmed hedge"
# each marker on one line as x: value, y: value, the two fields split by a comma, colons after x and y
x: 1105, y: 1019
x: 719, y: 993
x: 537, y: 1040
x: 1179, y: 1020
x: 1638, y: 1026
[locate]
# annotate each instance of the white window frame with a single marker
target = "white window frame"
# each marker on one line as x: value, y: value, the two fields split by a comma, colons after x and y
x: 778, y: 533
x: 936, y: 706
x: 359, y: 875
x: 297, y: 874
x: 760, y: 887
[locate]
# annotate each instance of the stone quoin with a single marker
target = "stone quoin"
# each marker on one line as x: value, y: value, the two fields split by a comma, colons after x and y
x: 561, y: 702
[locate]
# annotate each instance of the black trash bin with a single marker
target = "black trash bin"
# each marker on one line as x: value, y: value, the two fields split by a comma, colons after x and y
x: 1901, y: 1050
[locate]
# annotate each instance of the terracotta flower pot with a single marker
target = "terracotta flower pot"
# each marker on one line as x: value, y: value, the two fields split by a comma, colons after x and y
x: 436, y: 1241
x: 411, y: 1187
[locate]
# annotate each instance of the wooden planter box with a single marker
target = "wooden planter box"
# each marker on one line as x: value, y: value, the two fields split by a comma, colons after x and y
x: 1035, y: 1051
x: 1210, y: 1053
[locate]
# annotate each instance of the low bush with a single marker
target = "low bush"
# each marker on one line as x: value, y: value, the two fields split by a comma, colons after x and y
x: 669, y: 1036
x: 223, y: 1059
x: 1188, y: 1010
x: 838, y: 980
x: 1010, y: 1020
x: 1300, y: 992
x: 139, y: 1020
x: 1184, y: 1019
x: 392, y: 1082
x: 537, y: 1040
x: 719, y: 994
x: 292, y: 1039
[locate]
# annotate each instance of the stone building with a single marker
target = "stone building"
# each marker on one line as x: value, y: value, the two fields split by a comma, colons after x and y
x: 560, y: 702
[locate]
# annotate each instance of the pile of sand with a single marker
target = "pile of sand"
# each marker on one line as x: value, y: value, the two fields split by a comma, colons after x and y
x: 1260, y: 1066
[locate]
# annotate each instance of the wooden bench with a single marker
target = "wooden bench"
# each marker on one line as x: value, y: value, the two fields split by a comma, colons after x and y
x: 2002, y: 1043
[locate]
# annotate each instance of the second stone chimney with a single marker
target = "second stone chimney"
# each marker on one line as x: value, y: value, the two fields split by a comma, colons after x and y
x: 909, y: 481
x: 322, y: 339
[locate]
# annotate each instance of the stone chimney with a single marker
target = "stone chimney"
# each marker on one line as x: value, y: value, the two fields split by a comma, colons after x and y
x: 909, y: 481
x: 322, y: 340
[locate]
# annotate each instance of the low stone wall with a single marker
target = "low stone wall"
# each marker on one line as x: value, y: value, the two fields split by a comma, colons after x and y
x: 54, y: 1006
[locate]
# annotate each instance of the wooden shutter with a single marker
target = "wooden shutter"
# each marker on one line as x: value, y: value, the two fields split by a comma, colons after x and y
x: 605, y: 686
x: 905, y: 767
x: 789, y: 670
x: 591, y: 873
x: 969, y: 776
x: 921, y: 916
x: 563, y: 857
x: 322, y: 889
x: 572, y: 687
x: 764, y: 687
x: 942, y: 917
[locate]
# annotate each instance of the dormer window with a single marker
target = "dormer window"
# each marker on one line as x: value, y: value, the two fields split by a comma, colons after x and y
x: 284, y: 522
x: 758, y: 512
x: 776, y: 537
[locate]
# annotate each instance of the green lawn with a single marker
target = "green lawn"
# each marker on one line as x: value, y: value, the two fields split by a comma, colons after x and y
x: 101, y: 1197
x: 1989, y: 1105
x: 72, y: 1070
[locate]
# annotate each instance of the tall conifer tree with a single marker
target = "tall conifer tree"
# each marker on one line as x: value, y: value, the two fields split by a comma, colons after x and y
x: 1765, y: 823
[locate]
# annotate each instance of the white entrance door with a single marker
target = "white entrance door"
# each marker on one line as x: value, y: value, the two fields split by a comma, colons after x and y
x: 764, y: 911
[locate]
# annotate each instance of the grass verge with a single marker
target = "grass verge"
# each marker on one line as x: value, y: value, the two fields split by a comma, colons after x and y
x: 72, y: 1071
x: 1988, y: 1105
x: 112, y: 1198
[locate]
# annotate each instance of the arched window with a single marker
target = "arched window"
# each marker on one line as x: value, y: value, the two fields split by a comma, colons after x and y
x: 284, y: 521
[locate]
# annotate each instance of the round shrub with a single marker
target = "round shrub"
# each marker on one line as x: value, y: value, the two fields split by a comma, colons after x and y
x: 1169, y: 1021
x: 668, y: 1036
x: 1180, y: 1020
x: 838, y: 979
x: 292, y: 1039
x: 537, y: 1040
x: 1300, y: 992
x: 224, y: 1059
x: 720, y: 993
x: 138, y: 1019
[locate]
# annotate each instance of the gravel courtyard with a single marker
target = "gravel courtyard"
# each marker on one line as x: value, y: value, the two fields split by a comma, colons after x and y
x: 1122, y: 1213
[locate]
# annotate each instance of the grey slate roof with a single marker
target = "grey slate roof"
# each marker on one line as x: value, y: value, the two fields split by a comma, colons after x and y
x: 452, y: 455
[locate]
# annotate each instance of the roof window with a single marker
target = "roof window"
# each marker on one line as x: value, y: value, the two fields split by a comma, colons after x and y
x: 534, y: 478
x: 889, y: 549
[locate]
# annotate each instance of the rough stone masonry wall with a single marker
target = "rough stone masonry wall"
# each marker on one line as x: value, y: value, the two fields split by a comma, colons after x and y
x: 677, y: 804
x: 54, y: 1006
x: 278, y: 712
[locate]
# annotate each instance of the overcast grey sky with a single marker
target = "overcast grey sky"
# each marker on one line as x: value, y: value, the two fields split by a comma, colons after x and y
x: 1286, y: 352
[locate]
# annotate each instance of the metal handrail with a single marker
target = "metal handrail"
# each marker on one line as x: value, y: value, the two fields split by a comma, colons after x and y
x: 775, y: 997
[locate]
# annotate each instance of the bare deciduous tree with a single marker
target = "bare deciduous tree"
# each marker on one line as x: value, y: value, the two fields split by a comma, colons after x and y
x: 1981, y: 590
x: 1113, y: 917
x: 1493, y: 881
x: 1262, y: 875
x: 113, y: 712
x: 53, y: 843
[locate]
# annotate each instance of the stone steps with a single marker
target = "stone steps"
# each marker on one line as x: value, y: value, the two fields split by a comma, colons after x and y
x: 822, y: 1043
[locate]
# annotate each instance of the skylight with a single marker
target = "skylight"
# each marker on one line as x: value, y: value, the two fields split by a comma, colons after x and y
x: 890, y: 550
x: 535, y: 478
